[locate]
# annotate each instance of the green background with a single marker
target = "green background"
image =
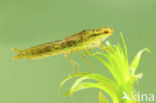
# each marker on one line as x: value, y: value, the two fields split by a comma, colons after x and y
x: 26, y: 23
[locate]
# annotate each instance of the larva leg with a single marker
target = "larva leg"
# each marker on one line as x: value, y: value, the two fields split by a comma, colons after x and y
x: 72, y: 62
x: 102, y: 47
x: 84, y: 58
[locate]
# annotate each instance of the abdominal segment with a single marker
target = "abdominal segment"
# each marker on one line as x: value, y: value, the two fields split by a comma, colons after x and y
x: 49, y: 49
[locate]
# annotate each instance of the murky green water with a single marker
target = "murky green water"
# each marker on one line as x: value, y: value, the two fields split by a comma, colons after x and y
x: 25, y: 23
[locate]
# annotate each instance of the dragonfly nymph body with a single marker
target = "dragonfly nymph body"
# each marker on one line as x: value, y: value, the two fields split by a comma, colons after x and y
x: 85, y: 40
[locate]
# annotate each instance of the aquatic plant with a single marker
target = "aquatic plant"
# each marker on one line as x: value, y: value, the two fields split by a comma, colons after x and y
x: 124, y: 75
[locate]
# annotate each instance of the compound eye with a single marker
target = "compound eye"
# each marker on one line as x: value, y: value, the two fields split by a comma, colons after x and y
x: 106, y: 32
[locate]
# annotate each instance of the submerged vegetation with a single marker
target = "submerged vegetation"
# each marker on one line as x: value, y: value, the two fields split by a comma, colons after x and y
x: 124, y: 75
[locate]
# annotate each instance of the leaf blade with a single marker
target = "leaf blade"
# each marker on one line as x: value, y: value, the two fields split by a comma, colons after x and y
x: 136, y: 60
x: 102, y: 98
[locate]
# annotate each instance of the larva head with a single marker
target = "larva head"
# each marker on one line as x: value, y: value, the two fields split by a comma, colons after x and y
x: 105, y: 31
x: 97, y: 34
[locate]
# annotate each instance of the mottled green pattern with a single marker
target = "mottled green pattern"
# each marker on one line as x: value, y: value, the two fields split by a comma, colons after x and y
x: 77, y: 42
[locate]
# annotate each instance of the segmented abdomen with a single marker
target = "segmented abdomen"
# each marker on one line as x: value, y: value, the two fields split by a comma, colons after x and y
x: 49, y: 49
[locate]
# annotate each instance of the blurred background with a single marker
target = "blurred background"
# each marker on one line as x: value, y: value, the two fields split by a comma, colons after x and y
x: 26, y: 23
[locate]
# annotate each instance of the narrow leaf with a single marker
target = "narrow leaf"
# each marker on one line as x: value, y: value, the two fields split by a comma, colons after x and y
x: 136, y: 60
x: 125, y: 47
x: 86, y: 85
x: 102, y: 98
x: 70, y: 77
